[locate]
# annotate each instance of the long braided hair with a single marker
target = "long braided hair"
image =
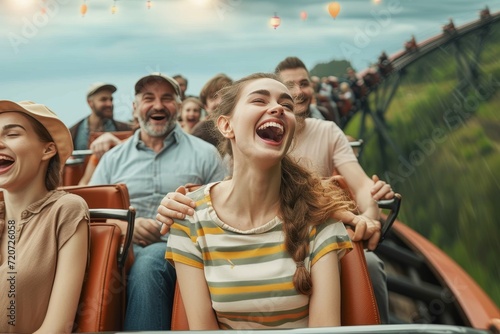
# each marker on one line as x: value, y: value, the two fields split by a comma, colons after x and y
x: 305, y: 199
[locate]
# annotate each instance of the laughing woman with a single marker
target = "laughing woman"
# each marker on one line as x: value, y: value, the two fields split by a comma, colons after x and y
x: 190, y: 113
x: 43, y: 231
x: 260, y: 251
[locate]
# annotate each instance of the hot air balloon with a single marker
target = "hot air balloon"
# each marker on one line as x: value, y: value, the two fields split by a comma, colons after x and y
x: 83, y: 9
x: 334, y: 9
x: 303, y: 15
x: 275, y: 21
x: 43, y: 9
x: 148, y: 4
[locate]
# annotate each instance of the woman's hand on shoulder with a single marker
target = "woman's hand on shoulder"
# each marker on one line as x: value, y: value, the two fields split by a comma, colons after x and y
x: 175, y: 205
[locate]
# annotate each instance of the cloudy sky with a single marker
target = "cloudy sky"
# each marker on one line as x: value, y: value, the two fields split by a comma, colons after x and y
x: 50, y: 53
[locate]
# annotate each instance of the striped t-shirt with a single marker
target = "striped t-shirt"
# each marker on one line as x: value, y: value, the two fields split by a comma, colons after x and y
x: 249, y: 273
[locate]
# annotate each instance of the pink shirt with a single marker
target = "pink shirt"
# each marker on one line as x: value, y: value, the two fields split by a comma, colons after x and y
x: 321, y: 146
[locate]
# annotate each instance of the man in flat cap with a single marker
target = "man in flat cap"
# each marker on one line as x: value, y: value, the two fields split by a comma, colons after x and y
x: 100, y: 101
x: 157, y: 159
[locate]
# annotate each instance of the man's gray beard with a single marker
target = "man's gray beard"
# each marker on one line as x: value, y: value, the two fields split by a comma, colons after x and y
x: 150, y: 129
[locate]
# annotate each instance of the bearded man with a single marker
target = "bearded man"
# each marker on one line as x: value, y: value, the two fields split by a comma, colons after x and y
x: 158, y: 158
x: 100, y: 101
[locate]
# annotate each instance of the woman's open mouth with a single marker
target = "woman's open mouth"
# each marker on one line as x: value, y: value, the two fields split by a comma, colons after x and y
x: 271, y: 131
x: 5, y: 162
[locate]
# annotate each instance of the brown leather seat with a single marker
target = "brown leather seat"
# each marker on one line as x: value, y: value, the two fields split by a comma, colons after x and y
x: 75, y: 166
x: 359, y: 306
x: 110, y: 196
x: 73, y: 170
x: 102, y: 303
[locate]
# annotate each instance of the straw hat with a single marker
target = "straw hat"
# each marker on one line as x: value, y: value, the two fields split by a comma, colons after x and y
x: 57, y: 129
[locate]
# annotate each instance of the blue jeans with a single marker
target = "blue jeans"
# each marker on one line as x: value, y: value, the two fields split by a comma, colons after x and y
x: 150, y: 289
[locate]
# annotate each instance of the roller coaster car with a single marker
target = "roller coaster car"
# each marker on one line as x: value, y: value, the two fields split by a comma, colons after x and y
x: 411, y: 45
x: 485, y: 14
x: 429, y: 292
x: 371, y: 78
x: 384, y: 64
x: 427, y: 287
x: 450, y: 28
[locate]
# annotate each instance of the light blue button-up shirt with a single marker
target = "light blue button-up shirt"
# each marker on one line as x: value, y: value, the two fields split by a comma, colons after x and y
x: 149, y: 176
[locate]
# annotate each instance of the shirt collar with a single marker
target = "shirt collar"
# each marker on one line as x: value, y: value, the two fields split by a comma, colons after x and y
x: 38, y: 206
x: 107, y: 124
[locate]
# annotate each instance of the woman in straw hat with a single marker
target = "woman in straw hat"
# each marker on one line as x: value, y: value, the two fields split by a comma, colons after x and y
x: 43, y: 231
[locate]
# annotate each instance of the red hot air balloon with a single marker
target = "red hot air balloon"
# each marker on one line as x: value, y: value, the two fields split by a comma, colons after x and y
x: 303, y: 15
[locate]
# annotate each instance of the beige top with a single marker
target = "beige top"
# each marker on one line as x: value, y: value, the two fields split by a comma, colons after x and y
x: 321, y: 146
x: 27, y: 275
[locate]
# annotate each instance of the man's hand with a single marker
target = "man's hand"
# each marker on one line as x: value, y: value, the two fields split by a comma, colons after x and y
x: 381, y: 189
x: 174, y: 205
x: 146, y: 231
x: 103, y: 143
x: 365, y: 228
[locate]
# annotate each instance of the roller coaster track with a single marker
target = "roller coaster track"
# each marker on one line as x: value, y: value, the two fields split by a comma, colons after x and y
x: 403, y: 59
x: 382, y: 84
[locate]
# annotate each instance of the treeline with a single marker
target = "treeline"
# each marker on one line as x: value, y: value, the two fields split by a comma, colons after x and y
x: 336, y: 68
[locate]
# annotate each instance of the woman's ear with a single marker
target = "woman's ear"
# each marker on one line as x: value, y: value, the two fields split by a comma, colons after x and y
x: 50, y: 151
x: 225, y: 127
